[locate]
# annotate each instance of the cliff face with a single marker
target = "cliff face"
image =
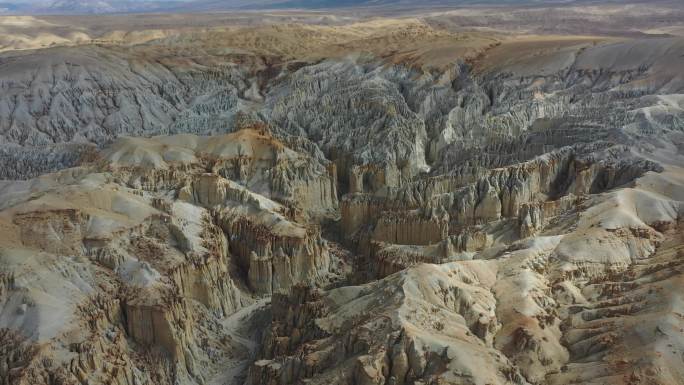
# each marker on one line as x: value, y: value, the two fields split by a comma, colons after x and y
x: 407, y: 328
x: 135, y: 260
x: 541, y: 309
x: 381, y: 125
x: 186, y: 213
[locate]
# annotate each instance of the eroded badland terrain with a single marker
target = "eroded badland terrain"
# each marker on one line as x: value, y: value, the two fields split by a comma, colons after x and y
x: 474, y: 195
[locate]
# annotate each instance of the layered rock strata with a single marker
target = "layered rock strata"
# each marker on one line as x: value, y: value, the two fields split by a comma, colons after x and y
x: 132, y: 263
x: 508, y: 215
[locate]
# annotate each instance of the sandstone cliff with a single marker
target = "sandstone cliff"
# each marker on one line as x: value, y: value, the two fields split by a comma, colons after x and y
x: 382, y: 202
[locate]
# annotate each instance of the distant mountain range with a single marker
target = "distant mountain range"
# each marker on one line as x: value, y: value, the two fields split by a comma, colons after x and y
x: 85, y: 6
x: 71, y: 7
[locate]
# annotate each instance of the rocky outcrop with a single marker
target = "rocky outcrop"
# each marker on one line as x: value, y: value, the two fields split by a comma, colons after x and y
x: 150, y: 252
x: 274, y: 258
x: 503, y: 191
x: 357, y: 210
x: 532, y: 217
x: 155, y: 325
x: 469, y: 240
x: 382, y: 125
x: 409, y: 228
x: 374, y: 335
x: 56, y: 231
x: 530, y: 193
x: 21, y: 163
x: 250, y: 157
x: 17, y: 353
x: 387, y: 258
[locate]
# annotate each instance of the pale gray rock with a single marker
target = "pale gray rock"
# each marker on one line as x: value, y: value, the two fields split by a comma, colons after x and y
x: 505, y: 222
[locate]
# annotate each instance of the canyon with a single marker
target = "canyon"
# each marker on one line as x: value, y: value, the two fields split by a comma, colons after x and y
x: 326, y: 197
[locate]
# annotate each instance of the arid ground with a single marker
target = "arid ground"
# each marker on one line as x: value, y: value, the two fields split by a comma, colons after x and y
x: 382, y: 193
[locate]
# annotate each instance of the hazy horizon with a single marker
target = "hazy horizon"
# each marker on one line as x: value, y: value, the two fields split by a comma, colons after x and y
x: 76, y: 7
